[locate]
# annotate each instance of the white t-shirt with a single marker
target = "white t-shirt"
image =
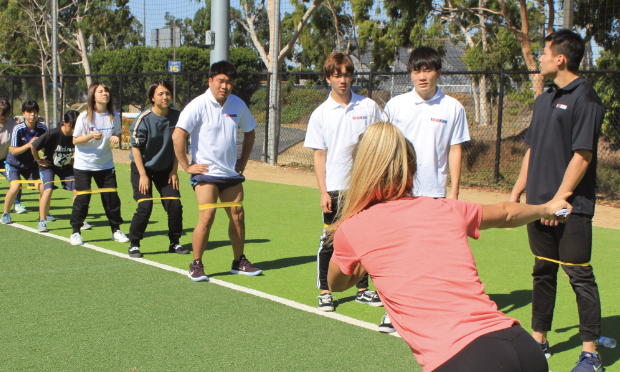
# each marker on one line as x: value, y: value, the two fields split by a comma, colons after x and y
x: 336, y: 128
x: 5, y: 138
x: 213, y: 130
x: 432, y: 127
x: 95, y: 155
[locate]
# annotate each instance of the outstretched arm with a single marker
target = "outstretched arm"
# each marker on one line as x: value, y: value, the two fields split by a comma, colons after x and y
x: 515, y: 214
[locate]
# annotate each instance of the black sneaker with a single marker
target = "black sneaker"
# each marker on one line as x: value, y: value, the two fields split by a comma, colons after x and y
x: 369, y: 298
x: 588, y: 362
x: 134, y: 252
x: 244, y: 267
x: 326, y: 302
x: 386, y: 324
x: 177, y: 248
x: 545, y: 348
x: 197, y: 272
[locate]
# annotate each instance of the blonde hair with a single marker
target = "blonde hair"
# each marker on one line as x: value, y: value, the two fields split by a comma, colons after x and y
x: 384, y: 165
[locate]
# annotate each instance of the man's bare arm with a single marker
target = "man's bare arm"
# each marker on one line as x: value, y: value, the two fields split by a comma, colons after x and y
x: 454, y: 161
x: 319, y: 171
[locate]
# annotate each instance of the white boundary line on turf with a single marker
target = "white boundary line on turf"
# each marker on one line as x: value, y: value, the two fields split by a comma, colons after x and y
x: 254, y: 292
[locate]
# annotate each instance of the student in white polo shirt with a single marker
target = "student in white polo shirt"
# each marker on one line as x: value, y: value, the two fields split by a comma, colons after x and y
x: 333, y: 130
x: 434, y: 123
x: 212, y: 120
x: 436, y: 126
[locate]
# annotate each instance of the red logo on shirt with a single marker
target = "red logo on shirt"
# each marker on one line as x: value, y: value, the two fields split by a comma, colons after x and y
x: 439, y: 120
x: 561, y: 106
x: 231, y: 115
x: 360, y: 117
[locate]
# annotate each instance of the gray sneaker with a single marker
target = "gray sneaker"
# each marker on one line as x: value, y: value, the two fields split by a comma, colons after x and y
x: 369, y: 298
x: 6, y: 219
x: 326, y: 302
x: 42, y: 226
x: 86, y: 226
x: 50, y: 218
x: 386, y: 324
x: 19, y: 208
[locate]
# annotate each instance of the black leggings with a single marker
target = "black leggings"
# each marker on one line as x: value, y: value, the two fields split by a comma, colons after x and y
x: 111, y: 202
x: 507, y: 350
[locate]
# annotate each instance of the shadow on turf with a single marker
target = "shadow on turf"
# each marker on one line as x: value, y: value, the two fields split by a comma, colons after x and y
x: 275, y: 264
x: 507, y: 302
x: 609, y: 326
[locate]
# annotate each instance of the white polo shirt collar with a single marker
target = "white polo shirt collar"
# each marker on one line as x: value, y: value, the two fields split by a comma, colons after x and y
x: 417, y: 99
x: 355, y: 100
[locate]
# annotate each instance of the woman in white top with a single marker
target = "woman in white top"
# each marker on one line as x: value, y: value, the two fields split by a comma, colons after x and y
x: 96, y: 130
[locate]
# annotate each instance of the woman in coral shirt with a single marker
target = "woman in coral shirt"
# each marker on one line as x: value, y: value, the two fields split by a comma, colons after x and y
x: 416, y: 252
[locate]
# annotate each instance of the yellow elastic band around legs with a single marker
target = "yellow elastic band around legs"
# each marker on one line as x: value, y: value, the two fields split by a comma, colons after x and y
x: 166, y: 198
x: 96, y: 191
x: 220, y: 205
x: 562, y: 263
x: 26, y: 182
x: 58, y: 181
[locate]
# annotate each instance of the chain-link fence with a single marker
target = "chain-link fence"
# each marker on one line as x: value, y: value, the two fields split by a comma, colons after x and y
x: 498, y: 106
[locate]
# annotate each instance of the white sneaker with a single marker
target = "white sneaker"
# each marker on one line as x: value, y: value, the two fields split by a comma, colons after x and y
x: 120, y: 237
x: 19, y: 208
x: 76, y: 239
x: 50, y: 218
x: 386, y: 325
x: 86, y: 226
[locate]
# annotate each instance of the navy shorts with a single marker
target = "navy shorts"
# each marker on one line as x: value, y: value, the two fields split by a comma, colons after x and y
x: 47, y: 176
x: 15, y: 173
x: 222, y: 183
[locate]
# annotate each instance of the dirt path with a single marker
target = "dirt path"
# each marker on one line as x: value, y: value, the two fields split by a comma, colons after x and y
x: 605, y: 216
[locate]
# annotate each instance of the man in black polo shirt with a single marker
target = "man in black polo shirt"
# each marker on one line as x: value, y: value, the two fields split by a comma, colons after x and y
x: 563, y: 138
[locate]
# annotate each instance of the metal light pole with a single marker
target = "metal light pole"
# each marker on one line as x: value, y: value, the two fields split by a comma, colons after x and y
x: 144, y: 20
x: 273, y: 94
x: 54, y: 62
x: 220, y: 25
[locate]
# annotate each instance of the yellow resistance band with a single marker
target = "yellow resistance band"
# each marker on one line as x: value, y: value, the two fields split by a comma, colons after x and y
x: 562, y: 263
x: 220, y: 205
x: 2, y: 170
x: 58, y: 181
x: 26, y: 181
x: 167, y: 198
x: 96, y: 191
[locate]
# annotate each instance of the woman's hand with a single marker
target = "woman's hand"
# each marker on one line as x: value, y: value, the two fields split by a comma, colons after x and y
x: 143, y: 185
x: 114, y: 140
x: 173, y: 179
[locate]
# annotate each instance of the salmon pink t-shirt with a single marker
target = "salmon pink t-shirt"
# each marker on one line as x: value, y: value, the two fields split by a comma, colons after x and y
x: 418, y: 257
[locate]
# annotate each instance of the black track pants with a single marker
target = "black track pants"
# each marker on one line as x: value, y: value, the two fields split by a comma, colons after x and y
x: 140, y: 220
x: 111, y: 202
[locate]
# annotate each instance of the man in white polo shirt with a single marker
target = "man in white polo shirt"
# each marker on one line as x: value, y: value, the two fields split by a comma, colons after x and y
x: 434, y: 123
x: 212, y: 120
x: 333, y: 130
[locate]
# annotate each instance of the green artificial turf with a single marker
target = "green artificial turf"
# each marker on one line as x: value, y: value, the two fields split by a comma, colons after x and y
x: 283, y: 224
x: 71, y: 308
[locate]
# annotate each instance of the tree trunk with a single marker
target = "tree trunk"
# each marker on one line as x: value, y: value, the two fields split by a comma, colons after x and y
x: 45, y: 103
x: 330, y: 5
x: 485, y: 114
x: 84, y: 55
x: 474, y: 91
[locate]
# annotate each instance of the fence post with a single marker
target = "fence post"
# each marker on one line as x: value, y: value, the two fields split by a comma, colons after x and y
x: 12, y: 91
x: 266, y: 145
x: 498, y: 144
x: 120, y: 98
x: 370, y: 87
x: 62, y: 98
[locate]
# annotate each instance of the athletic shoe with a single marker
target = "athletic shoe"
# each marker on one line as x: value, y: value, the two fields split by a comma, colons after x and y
x: 244, y: 267
x: 197, y: 272
x: 120, y: 237
x: 76, y: 239
x: 369, y: 298
x: 6, y: 219
x: 177, y: 248
x: 50, y: 218
x: 19, y: 208
x: 134, y: 252
x: 42, y: 226
x: 86, y: 226
x: 588, y: 362
x: 545, y: 348
x: 386, y: 324
x: 326, y: 302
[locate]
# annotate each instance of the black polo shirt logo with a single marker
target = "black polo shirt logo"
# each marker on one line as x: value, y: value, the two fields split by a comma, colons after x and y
x: 561, y: 106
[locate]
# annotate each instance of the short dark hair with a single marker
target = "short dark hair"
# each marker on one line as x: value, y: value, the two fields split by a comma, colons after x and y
x: 71, y: 117
x: 5, y: 106
x: 335, y: 62
x: 151, y: 92
x: 423, y: 57
x: 570, y: 45
x: 30, y: 106
x: 223, y: 67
